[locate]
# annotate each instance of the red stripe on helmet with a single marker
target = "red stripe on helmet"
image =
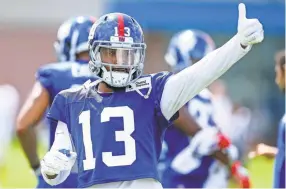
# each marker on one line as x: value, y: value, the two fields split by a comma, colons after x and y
x: 120, y: 25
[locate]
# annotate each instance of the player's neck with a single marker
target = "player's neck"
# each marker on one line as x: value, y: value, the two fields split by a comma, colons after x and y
x: 104, y: 88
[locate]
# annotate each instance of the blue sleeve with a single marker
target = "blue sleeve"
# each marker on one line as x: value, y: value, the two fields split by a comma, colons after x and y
x: 45, y: 76
x: 211, y: 122
x: 158, y: 83
x: 205, y: 102
x: 58, y: 109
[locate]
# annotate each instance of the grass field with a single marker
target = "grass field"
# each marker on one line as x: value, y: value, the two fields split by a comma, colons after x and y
x: 16, y: 172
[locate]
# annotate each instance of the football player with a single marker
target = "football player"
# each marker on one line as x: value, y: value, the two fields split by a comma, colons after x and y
x: 9, y: 100
x: 116, y: 123
x: 279, y: 151
x: 71, y: 70
x: 184, y: 167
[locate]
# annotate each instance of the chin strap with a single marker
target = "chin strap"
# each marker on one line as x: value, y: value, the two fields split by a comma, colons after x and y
x: 88, y: 84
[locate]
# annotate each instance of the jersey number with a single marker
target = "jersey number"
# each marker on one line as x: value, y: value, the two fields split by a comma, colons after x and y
x: 126, y: 31
x: 201, y: 111
x: 125, y: 136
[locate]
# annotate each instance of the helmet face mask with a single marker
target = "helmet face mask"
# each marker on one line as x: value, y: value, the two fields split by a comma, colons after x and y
x: 117, y: 57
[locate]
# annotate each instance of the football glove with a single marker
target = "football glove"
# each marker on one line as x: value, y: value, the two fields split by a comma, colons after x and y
x: 56, y: 161
x: 250, y: 31
x: 209, y: 140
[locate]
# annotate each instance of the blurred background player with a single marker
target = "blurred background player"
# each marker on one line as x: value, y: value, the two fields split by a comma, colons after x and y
x: 184, y: 168
x: 232, y: 118
x: 72, y: 70
x: 279, y: 151
x: 9, y: 105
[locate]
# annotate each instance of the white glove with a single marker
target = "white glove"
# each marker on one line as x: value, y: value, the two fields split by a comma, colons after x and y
x: 250, y: 31
x: 55, y: 161
x: 209, y: 140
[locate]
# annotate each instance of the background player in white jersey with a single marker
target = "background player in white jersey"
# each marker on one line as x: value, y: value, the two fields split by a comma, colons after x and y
x: 184, y: 167
x: 71, y: 70
x: 232, y: 118
x: 116, y: 123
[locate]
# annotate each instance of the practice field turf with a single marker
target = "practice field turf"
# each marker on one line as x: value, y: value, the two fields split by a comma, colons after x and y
x: 16, y: 172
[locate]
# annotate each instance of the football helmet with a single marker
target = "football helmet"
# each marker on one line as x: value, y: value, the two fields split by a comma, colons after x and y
x: 117, y: 49
x: 186, y: 46
x: 72, y: 37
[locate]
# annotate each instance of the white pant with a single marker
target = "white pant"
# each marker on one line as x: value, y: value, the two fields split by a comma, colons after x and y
x: 147, y: 183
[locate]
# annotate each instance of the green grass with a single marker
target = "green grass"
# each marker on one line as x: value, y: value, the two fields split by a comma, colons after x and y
x: 261, y: 172
x: 16, y: 172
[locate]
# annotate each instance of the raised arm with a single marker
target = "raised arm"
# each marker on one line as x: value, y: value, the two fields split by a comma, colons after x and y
x: 180, y: 88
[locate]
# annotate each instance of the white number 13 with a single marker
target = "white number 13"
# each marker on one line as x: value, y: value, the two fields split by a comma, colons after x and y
x: 126, y: 31
x: 124, y: 136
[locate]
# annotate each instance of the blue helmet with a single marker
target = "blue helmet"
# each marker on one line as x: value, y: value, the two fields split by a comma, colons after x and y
x: 72, y: 38
x: 186, y: 46
x: 117, y: 49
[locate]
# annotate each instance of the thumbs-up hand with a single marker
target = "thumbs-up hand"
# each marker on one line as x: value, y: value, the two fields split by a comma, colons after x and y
x: 250, y: 31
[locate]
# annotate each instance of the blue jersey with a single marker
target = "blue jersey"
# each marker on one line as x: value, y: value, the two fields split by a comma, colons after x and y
x: 54, y: 78
x: 196, y: 173
x: 117, y: 136
x: 279, y: 167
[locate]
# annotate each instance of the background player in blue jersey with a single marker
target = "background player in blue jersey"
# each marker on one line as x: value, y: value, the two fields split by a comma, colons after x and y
x: 184, y: 168
x: 116, y: 123
x: 71, y: 70
x: 279, y: 151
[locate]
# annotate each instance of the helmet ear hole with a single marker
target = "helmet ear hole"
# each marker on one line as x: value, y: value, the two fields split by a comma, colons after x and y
x: 68, y: 44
